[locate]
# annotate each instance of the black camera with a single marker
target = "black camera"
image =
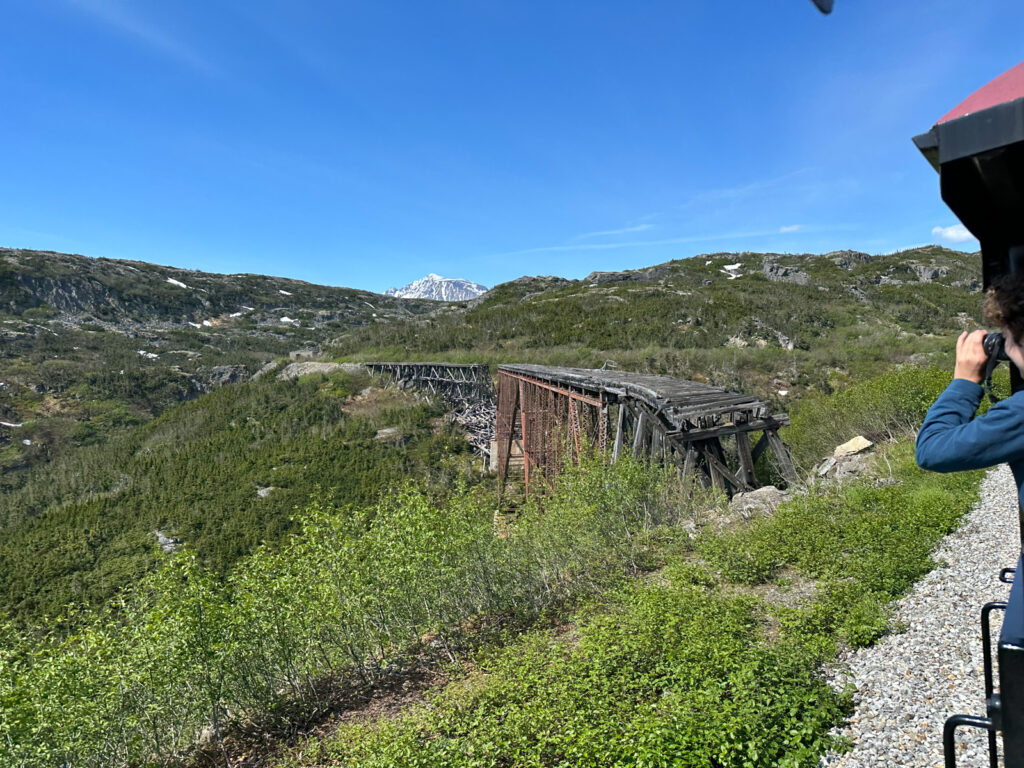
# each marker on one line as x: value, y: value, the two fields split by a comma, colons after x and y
x: 995, y: 347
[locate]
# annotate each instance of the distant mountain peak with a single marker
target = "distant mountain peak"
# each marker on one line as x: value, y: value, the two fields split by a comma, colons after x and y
x: 439, y: 289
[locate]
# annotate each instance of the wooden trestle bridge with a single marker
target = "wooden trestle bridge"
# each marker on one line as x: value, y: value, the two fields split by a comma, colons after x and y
x: 705, y: 431
x: 544, y: 411
x: 451, y: 380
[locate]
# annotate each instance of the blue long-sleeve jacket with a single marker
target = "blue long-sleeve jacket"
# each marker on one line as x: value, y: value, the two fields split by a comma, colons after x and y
x: 951, y: 439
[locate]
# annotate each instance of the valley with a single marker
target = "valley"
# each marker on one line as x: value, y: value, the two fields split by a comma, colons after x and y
x: 217, y: 542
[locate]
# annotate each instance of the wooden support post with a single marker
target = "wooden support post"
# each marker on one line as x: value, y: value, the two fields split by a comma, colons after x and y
x: 746, y: 459
x: 710, y: 462
x: 526, y: 447
x: 782, y: 454
x: 617, y: 449
x: 690, y: 462
x: 657, y: 442
x: 718, y: 467
x: 638, y: 434
x: 760, y: 447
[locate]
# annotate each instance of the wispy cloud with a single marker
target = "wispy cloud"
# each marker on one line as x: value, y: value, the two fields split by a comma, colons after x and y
x: 790, y: 228
x: 145, y: 34
x: 745, y: 191
x: 639, y: 243
x: 956, y: 233
x: 611, y: 232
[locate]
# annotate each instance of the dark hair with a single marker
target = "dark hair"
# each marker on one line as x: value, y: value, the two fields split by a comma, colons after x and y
x: 1004, y: 304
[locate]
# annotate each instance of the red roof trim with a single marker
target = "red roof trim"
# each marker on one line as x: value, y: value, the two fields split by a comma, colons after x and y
x: 1009, y: 86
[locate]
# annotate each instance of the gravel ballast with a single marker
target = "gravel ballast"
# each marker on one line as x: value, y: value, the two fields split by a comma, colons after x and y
x: 910, y: 682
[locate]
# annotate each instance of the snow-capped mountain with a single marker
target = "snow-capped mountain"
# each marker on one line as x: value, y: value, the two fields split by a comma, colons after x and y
x: 438, y: 288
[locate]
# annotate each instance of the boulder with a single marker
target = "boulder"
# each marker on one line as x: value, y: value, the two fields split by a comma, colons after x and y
x: 850, y: 447
x: 389, y: 434
x: 755, y: 502
x: 778, y: 273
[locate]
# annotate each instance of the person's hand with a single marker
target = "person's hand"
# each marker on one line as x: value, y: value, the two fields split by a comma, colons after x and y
x: 970, y: 357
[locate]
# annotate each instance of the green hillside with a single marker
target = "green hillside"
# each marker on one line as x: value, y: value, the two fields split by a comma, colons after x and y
x: 222, y: 474
x: 787, y: 322
x: 89, y: 346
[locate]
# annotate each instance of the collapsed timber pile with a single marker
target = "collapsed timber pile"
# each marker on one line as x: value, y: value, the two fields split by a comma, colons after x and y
x: 705, y: 431
x: 467, y: 391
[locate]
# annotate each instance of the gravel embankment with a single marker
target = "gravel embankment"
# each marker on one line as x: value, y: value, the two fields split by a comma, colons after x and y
x: 909, y: 683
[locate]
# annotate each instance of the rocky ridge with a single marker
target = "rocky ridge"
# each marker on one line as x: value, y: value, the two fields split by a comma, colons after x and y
x: 437, y: 288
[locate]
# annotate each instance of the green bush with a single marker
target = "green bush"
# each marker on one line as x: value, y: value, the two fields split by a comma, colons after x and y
x: 884, y: 407
x: 862, y: 545
x: 359, y: 592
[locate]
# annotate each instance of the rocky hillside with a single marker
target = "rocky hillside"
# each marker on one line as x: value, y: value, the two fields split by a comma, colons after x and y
x: 91, y: 346
x: 134, y: 294
x: 776, y: 325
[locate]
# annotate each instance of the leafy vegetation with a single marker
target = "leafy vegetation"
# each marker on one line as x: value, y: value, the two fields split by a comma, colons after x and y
x: 688, y: 665
x: 689, y: 669
x: 359, y: 592
x: 83, y: 526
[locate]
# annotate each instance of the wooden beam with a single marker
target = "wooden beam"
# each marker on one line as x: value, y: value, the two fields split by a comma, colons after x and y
x: 690, y: 462
x: 762, y: 445
x: 618, y: 433
x: 782, y: 454
x: 746, y: 459
x: 720, y: 468
x: 770, y: 422
x: 712, y: 465
x: 657, y: 442
x: 638, y: 434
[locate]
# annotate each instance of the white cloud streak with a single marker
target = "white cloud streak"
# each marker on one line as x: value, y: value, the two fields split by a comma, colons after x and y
x: 144, y: 34
x: 790, y: 228
x: 611, y: 232
x: 956, y: 233
x: 639, y: 243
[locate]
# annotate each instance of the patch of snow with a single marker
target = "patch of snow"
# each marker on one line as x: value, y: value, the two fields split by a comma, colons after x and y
x: 707, y: 263
x: 283, y: 293
x: 235, y: 314
x: 26, y: 442
x: 287, y: 320
x: 148, y: 355
x: 783, y: 392
x: 194, y: 325
x: 178, y: 283
x: 732, y: 275
x: 249, y: 309
x: 9, y: 424
x: 207, y: 323
x: 734, y: 267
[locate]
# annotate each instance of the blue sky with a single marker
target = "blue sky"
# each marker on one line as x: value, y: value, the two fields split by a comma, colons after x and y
x: 368, y: 143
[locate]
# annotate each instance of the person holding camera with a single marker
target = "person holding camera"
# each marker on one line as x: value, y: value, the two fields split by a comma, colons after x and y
x: 951, y: 439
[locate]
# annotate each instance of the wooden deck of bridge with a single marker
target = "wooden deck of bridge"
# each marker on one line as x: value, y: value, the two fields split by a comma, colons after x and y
x: 679, y: 421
